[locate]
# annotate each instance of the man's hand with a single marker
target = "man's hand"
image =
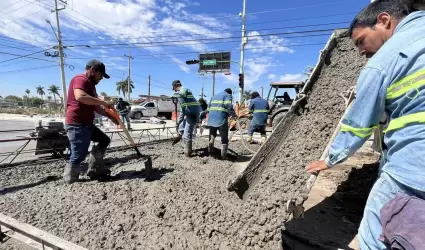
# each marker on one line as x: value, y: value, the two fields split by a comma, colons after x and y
x: 316, y: 167
x: 108, y: 105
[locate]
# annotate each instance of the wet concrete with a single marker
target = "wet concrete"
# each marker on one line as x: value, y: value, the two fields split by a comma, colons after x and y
x: 185, y: 205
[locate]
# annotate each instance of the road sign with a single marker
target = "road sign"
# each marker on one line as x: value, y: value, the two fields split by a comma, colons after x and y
x: 221, y: 62
x: 209, y: 62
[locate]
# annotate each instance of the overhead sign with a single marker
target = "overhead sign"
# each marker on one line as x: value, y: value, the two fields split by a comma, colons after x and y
x: 209, y: 62
x: 214, y: 62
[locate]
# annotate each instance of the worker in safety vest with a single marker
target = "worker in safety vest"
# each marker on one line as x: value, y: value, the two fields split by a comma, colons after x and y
x: 219, y: 109
x: 259, y: 109
x: 392, y: 82
x: 189, y: 114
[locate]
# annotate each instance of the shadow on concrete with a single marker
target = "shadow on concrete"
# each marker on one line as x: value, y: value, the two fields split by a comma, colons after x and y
x: 216, y: 154
x: 333, y: 223
x: 31, y: 185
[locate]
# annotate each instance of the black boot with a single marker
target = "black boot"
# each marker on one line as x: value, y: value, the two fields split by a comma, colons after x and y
x: 97, y: 170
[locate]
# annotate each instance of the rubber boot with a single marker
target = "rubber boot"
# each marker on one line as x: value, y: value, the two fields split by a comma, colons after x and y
x: 188, y: 148
x: 224, y: 151
x: 97, y: 170
x: 211, y: 145
x: 71, y: 173
x: 128, y: 126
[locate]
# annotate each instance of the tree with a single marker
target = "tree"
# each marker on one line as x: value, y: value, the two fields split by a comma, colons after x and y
x: 103, y: 94
x: 27, y: 91
x: 54, y: 90
x: 40, y: 91
x: 247, y: 95
x: 122, y: 87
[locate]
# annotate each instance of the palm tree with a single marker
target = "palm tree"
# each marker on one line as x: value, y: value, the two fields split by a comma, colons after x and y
x: 247, y: 95
x: 54, y: 90
x: 40, y: 91
x: 27, y: 91
x: 122, y: 87
x: 103, y: 94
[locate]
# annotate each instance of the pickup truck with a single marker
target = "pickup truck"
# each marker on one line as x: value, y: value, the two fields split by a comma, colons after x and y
x: 153, y: 109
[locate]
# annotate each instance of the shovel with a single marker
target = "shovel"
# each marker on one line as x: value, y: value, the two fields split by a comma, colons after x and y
x: 179, y: 137
x: 147, y: 159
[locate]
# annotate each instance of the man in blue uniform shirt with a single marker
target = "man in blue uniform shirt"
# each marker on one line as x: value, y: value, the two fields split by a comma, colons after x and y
x: 189, y: 114
x: 259, y: 109
x: 391, y: 82
x: 219, y: 109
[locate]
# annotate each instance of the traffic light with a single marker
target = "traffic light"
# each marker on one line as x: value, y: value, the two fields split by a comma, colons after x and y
x: 241, y: 76
x: 192, y: 62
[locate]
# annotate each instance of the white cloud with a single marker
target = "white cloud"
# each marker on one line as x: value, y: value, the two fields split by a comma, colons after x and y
x: 258, y: 44
x: 271, y: 76
x: 292, y: 77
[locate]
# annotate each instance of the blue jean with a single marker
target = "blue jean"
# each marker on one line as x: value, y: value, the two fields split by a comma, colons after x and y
x: 224, y: 133
x: 384, y: 189
x: 187, y: 127
x: 253, y: 127
x: 79, y: 137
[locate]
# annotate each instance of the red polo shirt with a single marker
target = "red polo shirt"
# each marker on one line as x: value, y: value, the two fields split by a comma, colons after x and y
x: 77, y: 112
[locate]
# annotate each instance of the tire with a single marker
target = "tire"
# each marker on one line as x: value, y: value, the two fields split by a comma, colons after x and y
x: 138, y: 115
x: 244, y: 123
x: 279, y: 117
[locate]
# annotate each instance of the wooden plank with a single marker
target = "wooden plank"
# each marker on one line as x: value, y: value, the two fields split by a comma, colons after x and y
x: 36, y: 234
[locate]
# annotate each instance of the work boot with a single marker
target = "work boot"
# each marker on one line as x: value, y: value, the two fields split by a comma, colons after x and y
x: 188, y: 148
x: 128, y: 126
x: 224, y: 151
x: 71, y: 173
x: 97, y: 170
x: 211, y: 145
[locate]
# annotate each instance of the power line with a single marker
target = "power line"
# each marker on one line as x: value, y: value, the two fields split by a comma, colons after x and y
x: 24, y: 56
x: 295, y: 8
x: 27, y: 69
x: 16, y: 9
x: 233, y: 31
x: 16, y: 20
x: 10, y: 5
x: 207, y: 39
x: 303, y: 18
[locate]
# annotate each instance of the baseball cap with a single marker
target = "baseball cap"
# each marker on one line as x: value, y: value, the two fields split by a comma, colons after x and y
x: 175, y: 83
x: 99, y: 66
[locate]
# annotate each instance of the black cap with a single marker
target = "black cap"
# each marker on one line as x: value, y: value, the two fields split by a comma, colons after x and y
x: 176, y: 83
x: 99, y: 66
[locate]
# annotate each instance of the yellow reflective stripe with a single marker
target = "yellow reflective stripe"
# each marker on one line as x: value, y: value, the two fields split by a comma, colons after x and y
x: 217, y: 109
x: 221, y: 102
x: 189, y: 104
x: 405, y: 120
x: 360, y: 132
x: 189, y: 96
x: 401, y: 87
x: 261, y: 111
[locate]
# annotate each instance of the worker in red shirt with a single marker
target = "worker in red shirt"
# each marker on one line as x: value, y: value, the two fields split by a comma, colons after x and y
x: 82, y: 103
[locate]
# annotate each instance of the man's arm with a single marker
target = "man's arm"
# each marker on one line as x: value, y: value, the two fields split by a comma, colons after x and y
x: 360, y: 120
x: 251, y: 106
x: 229, y: 105
x: 83, y: 97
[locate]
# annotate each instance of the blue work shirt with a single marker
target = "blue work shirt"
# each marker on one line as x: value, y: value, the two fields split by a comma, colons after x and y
x: 260, y: 109
x: 400, y: 62
x: 219, y: 108
x: 188, y: 104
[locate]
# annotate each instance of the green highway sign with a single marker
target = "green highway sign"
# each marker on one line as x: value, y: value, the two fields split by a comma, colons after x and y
x: 209, y: 62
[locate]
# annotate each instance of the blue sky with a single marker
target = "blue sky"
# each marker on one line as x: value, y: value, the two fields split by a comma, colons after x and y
x: 153, y: 26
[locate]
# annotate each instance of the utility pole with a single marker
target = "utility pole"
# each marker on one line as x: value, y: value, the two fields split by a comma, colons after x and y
x: 60, y: 48
x: 213, y: 85
x: 129, y: 73
x: 149, y: 85
x: 202, y: 90
x: 262, y: 92
x: 243, y: 43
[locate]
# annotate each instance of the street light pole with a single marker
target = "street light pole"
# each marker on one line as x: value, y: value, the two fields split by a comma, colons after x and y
x: 243, y: 43
x: 129, y: 71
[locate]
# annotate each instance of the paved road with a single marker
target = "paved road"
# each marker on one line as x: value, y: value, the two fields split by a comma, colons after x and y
x: 7, y: 125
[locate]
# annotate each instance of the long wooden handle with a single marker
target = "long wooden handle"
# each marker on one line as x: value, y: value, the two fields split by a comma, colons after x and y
x: 114, y: 113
